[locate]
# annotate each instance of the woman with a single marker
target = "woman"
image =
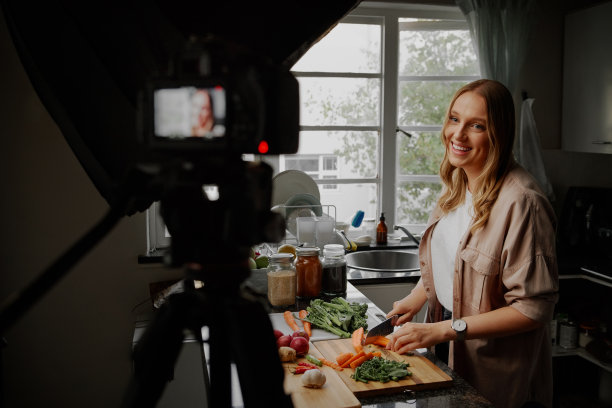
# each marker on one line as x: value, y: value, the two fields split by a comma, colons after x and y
x: 488, y: 256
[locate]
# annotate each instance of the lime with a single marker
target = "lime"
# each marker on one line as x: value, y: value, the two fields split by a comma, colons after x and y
x: 262, y: 261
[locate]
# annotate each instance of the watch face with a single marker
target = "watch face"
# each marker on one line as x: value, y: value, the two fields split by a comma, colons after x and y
x: 459, y: 325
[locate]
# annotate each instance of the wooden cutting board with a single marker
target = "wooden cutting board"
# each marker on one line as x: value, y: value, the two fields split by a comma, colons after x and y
x: 425, y: 374
x: 334, y: 394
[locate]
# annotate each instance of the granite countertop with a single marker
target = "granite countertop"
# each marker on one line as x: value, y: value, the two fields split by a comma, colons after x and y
x: 460, y: 394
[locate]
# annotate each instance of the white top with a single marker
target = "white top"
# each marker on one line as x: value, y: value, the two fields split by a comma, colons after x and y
x: 444, y: 243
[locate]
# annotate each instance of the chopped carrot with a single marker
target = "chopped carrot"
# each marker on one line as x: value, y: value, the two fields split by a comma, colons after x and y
x: 331, y: 364
x: 350, y: 360
x: 361, y: 360
x: 357, y: 339
x: 307, y: 327
x: 341, y: 358
x: 291, y: 321
x: 376, y: 353
x: 378, y: 340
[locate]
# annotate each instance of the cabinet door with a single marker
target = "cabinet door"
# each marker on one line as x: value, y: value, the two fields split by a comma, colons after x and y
x: 383, y: 295
x: 587, y: 81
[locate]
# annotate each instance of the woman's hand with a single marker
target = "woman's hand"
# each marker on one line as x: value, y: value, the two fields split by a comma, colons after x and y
x: 409, y: 306
x: 412, y: 336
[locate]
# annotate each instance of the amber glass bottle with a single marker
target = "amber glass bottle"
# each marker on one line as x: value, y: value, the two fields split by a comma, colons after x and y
x: 381, y: 231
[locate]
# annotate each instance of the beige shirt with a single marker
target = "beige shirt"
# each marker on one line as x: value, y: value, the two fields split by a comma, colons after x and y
x: 511, y: 261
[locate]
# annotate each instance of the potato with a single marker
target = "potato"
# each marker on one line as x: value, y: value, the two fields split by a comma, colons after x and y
x: 287, y: 354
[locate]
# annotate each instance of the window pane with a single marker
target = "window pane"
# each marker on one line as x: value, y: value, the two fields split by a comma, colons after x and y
x: 415, y: 201
x: 347, y: 48
x: 302, y: 163
x: 356, y: 152
x: 425, y: 102
x: 420, y: 154
x: 348, y: 198
x: 339, y: 101
x: 447, y: 52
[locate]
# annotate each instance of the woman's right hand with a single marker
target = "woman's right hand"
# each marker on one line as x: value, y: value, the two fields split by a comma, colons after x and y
x: 409, y: 306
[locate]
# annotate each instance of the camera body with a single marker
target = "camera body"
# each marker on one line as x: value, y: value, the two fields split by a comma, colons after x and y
x: 220, y: 99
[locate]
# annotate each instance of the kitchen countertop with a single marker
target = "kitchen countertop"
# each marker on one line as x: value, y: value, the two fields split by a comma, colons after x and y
x: 460, y: 394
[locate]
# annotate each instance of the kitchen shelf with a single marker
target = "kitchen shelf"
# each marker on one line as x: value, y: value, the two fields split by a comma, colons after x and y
x: 558, y: 351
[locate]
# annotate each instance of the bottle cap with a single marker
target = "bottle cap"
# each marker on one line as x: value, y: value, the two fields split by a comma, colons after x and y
x: 333, y: 250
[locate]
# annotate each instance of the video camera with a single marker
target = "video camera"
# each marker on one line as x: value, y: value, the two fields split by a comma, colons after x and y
x: 221, y: 99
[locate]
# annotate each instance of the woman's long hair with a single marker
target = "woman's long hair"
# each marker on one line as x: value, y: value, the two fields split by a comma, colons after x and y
x: 500, y: 128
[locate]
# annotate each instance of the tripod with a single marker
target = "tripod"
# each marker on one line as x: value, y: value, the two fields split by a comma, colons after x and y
x: 240, y: 329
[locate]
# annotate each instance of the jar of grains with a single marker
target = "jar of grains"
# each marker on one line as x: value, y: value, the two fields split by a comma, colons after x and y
x: 309, y: 272
x: 281, y: 280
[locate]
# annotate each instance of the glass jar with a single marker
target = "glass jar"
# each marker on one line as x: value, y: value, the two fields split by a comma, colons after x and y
x: 587, y: 333
x: 309, y: 272
x: 281, y: 280
x: 334, y: 270
x: 568, y: 334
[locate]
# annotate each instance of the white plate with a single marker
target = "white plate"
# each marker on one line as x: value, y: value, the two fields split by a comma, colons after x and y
x: 291, y: 182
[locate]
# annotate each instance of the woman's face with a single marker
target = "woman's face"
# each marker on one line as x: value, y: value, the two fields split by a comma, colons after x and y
x: 467, y: 135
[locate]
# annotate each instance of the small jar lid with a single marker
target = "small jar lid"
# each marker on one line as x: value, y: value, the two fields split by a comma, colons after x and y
x: 308, y: 251
x: 333, y: 250
x: 281, y: 257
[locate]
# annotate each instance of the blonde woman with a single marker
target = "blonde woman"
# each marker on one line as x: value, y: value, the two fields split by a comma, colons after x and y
x: 488, y: 259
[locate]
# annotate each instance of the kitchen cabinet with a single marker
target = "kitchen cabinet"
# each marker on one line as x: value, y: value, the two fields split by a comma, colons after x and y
x: 587, y: 84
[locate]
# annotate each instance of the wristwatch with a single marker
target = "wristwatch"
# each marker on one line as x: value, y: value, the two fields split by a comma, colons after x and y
x: 460, y: 327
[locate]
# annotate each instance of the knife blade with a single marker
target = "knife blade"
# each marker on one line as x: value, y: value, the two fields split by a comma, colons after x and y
x: 382, y: 329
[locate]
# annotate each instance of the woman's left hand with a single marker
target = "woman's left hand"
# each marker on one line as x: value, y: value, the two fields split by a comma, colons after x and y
x: 412, y: 336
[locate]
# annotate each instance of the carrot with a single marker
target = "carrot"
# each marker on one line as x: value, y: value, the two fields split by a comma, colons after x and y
x: 376, y: 353
x: 378, y: 340
x: 350, y: 360
x: 361, y: 360
x: 341, y: 358
x: 307, y: 327
x: 291, y: 321
x: 357, y: 338
x: 331, y: 364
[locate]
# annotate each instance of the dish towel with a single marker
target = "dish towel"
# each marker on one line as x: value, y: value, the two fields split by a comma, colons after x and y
x: 530, y: 156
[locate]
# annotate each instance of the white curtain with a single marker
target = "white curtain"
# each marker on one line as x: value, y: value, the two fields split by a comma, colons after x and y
x: 500, y: 31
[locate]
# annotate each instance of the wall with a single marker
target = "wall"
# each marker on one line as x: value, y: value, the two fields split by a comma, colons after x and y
x: 72, y: 349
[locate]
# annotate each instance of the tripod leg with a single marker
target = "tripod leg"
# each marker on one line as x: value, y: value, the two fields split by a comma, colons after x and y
x: 259, y: 367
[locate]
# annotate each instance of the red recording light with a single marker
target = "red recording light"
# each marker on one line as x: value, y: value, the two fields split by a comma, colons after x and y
x: 263, y: 147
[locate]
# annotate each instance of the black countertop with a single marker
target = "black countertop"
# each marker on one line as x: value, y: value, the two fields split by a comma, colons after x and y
x: 460, y: 394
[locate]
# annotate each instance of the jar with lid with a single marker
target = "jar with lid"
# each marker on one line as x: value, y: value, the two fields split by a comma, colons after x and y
x: 309, y: 271
x: 334, y: 270
x: 568, y: 334
x: 281, y: 280
x: 587, y: 333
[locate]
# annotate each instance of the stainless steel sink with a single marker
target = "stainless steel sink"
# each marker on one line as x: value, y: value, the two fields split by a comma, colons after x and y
x: 383, y: 261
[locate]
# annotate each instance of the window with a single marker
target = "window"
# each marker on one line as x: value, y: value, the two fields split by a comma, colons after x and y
x: 373, y: 95
x: 374, y: 92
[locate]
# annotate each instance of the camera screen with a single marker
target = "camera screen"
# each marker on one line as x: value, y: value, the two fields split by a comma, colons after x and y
x: 189, y: 111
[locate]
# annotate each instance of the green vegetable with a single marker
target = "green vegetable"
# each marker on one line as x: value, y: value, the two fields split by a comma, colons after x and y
x: 380, y: 369
x: 337, y: 316
x: 314, y: 360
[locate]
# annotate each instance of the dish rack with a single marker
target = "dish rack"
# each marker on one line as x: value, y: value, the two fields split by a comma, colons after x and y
x: 291, y: 212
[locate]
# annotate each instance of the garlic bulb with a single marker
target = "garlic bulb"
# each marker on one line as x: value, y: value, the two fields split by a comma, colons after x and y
x: 313, y: 378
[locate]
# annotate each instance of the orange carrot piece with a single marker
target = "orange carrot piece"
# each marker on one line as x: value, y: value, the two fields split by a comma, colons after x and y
x: 376, y: 353
x: 341, y: 358
x: 307, y: 326
x: 291, y: 321
x: 361, y: 360
x: 357, y: 338
x: 331, y: 364
x: 378, y: 340
x: 350, y: 360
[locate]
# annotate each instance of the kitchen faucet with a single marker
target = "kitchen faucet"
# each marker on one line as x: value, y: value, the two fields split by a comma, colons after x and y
x: 412, y: 237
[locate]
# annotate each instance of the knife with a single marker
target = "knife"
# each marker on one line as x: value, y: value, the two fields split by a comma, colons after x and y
x: 382, y: 329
